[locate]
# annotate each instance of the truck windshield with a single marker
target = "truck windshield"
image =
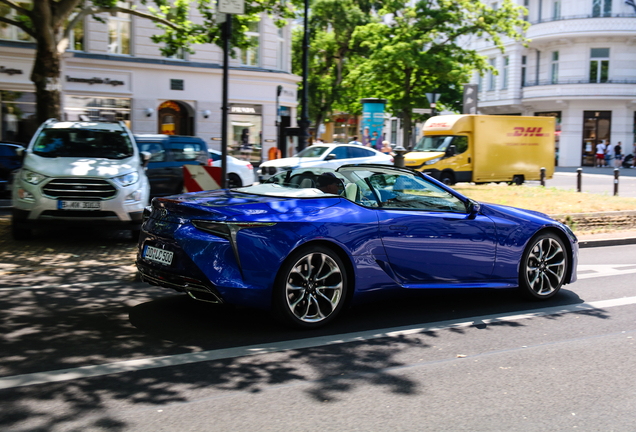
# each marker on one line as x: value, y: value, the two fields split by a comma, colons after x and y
x: 89, y: 143
x: 434, y: 143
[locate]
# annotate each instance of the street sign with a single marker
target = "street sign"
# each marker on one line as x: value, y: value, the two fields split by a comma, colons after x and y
x: 236, y: 7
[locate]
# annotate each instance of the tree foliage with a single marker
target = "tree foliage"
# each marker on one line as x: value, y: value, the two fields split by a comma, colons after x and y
x: 331, y: 25
x: 415, y: 50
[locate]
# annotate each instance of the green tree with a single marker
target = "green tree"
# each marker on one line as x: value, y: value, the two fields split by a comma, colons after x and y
x: 331, y: 25
x: 418, y: 49
x: 50, y: 22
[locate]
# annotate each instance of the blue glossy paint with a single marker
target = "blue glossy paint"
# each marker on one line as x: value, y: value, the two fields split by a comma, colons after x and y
x: 389, y: 250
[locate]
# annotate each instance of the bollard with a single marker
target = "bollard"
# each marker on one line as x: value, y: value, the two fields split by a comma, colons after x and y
x: 579, y: 179
x: 543, y: 176
x: 398, y: 159
x: 616, y: 171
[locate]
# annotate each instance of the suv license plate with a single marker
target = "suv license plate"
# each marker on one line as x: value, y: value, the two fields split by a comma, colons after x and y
x: 158, y: 255
x: 79, y: 205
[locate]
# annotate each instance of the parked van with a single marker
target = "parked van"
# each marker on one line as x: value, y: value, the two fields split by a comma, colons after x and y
x: 80, y: 173
x: 169, y: 153
x: 485, y: 148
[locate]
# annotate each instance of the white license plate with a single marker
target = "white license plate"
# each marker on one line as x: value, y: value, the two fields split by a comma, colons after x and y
x: 79, y: 205
x: 158, y: 255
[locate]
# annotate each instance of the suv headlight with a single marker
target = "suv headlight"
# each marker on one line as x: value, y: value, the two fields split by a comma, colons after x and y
x: 128, y: 179
x: 433, y: 161
x: 32, y: 177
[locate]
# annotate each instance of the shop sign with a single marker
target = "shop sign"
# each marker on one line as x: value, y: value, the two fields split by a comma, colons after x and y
x: 10, y: 71
x: 245, y: 109
x: 95, y: 80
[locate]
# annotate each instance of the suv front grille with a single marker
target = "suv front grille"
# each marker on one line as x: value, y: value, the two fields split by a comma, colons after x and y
x: 78, y: 188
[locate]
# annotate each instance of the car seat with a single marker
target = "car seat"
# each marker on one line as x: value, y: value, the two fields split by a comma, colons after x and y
x: 351, y: 192
x: 306, y: 183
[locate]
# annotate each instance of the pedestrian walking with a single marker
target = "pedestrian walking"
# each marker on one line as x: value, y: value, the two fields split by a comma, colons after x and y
x: 354, y: 140
x: 609, y: 154
x: 618, y: 155
x: 386, y: 148
x: 600, y: 154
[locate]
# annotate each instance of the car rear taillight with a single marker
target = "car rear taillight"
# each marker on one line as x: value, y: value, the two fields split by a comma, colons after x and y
x: 250, y: 167
x: 210, y: 162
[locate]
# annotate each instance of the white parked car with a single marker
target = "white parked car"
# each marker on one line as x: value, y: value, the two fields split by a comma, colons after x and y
x: 324, y: 156
x: 239, y: 172
x: 80, y: 173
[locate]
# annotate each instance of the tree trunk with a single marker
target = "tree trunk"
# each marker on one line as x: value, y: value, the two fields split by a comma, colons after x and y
x: 46, y: 69
x: 45, y: 76
x: 406, y: 128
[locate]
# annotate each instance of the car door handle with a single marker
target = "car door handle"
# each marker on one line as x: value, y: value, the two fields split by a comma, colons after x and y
x: 398, y: 227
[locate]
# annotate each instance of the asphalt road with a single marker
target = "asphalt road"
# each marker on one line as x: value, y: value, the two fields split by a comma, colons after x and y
x: 139, y: 358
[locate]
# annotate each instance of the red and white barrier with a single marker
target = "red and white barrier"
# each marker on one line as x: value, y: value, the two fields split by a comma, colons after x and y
x: 197, y: 178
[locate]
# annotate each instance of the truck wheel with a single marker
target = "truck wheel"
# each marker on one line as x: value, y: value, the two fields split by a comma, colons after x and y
x: 517, y: 180
x: 447, y: 178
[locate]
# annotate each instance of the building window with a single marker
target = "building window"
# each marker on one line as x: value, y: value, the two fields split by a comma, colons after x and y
x: 526, y: 4
x: 179, y: 55
x: 96, y: 108
x: 504, y: 77
x: 556, y: 10
x: 280, y: 58
x: 17, y: 116
x: 524, y: 60
x: 494, y: 5
x: 394, y: 127
x: 10, y: 32
x: 119, y: 31
x: 554, y: 76
x: 249, y: 57
x: 76, y: 36
x: 491, y: 74
x: 599, y: 65
x: 601, y: 8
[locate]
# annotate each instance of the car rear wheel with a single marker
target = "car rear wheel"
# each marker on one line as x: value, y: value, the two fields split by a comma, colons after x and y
x: 311, y: 288
x: 234, y: 181
x: 543, y: 267
x: 447, y: 178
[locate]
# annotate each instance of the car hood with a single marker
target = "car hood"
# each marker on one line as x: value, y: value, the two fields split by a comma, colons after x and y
x: 289, y: 162
x: 233, y: 205
x: 489, y: 209
x: 80, y: 167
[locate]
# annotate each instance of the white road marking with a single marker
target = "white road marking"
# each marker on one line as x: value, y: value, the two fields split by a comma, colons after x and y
x: 598, y: 270
x: 227, y: 353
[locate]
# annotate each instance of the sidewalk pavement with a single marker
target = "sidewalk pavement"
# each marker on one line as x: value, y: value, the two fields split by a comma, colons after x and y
x: 623, y: 172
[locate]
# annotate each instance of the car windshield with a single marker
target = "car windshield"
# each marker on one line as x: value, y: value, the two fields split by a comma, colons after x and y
x: 77, y: 142
x: 434, y: 143
x: 368, y: 185
x: 313, y: 151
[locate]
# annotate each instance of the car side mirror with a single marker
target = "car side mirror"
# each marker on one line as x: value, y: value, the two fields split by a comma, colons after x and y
x: 473, y: 209
x: 20, y: 153
x: 451, y: 151
x: 145, y: 158
x: 331, y: 156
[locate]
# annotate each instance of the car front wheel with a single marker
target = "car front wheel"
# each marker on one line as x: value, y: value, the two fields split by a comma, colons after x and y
x: 311, y: 288
x: 543, y: 267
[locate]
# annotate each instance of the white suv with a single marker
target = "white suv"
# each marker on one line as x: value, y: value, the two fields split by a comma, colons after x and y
x: 80, y: 172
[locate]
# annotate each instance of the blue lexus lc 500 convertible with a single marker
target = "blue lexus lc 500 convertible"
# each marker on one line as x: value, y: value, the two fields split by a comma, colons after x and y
x: 309, y: 242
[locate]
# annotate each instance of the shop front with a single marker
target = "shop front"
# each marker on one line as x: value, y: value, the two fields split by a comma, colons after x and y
x: 246, y: 132
x: 597, y: 127
x: 78, y: 108
x: 175, y: 118
x: 17, y: 100
x: 557, y: 131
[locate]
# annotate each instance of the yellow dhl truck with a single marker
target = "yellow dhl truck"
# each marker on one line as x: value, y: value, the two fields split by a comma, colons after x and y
x: 485, y: 148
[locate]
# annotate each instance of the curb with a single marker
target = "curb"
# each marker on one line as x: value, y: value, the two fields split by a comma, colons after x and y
x: 584, y: 244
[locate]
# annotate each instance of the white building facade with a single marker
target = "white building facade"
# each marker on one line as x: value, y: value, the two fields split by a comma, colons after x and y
x: 580, y: 66
x: 113, y: 71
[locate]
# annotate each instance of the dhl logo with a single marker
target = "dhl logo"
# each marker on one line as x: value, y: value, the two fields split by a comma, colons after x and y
x: 437, y: 125
x: 530, y: 131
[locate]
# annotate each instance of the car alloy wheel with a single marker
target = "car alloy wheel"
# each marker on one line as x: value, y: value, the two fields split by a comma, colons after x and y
x: 543, y: 266
x: 313, y: 289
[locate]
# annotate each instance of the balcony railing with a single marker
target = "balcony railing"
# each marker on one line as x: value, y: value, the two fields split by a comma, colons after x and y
x: 576, y: 81
x: 571, y: 17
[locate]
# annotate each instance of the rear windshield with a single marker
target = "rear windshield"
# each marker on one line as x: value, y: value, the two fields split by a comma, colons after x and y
x: 83, y: 143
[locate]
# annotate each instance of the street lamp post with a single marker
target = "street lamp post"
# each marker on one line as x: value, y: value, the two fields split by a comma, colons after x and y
x: 433, y: 97
x: 304, y: 114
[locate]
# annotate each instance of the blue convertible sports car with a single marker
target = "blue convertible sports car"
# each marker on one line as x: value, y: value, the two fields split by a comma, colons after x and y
x: 308, y: 243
